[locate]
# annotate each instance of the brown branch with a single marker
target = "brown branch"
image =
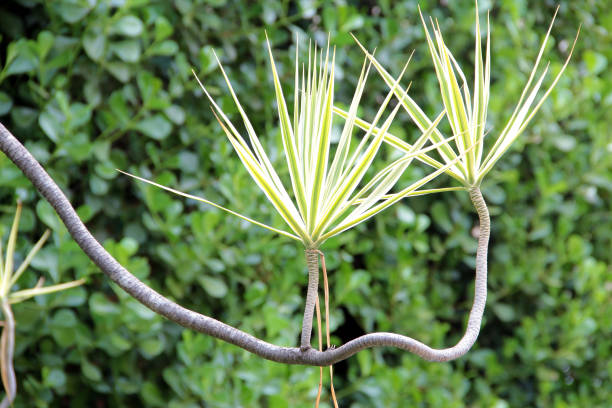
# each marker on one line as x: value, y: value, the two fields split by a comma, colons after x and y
x: 205, y: 324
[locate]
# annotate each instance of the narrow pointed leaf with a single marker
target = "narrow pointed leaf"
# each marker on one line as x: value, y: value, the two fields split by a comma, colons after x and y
x: 413, y: 109
x: 22, y: 295
x: 26, y: 262
x: 417, y: 193
x: 243, y: 217
x: 289, y: 144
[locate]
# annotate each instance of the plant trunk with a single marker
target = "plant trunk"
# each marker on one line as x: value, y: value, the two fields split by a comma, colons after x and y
x: 312, y: 263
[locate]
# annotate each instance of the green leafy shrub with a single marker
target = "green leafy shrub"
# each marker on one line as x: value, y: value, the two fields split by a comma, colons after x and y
x: 93, y: 86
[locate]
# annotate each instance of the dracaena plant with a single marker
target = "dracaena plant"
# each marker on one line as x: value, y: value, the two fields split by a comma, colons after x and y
x: 8, y: 279
x: 328, y: 192
x: 466, y: 162
x: 301, y: 137
x: 467, y: 111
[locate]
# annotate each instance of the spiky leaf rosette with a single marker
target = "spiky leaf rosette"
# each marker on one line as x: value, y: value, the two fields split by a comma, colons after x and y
x: 328, y: 192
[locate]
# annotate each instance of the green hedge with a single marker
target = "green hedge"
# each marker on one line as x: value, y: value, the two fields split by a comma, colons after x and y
x: 94, y: 86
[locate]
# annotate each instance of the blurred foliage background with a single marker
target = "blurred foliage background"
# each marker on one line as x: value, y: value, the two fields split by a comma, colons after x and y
x: 91, y: 86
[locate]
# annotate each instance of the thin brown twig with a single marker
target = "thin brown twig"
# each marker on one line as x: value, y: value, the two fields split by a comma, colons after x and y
x: 320, y: 332
x: 326, y: 292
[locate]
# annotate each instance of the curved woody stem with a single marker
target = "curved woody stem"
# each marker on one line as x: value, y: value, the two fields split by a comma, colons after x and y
x: 205, y: 324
